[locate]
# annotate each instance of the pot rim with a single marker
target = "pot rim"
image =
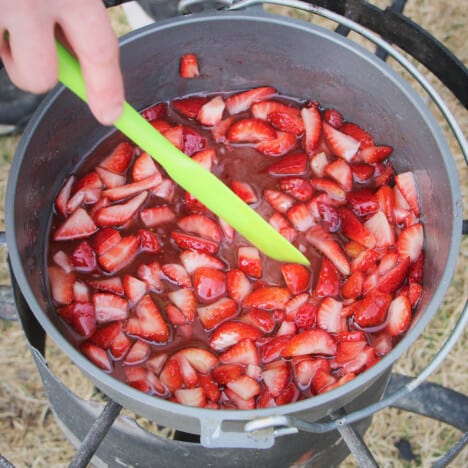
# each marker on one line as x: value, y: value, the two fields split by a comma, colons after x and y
x: 242, y: 415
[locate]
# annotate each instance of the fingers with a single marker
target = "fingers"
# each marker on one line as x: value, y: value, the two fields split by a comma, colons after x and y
x: 88, y: 31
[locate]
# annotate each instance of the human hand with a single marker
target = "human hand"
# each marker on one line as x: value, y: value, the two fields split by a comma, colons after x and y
x: 30, y: 58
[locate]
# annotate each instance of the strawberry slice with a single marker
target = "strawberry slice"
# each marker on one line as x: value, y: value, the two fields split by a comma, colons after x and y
x: 193, y: 142
x: 188, y: 66
x: 61, y: 284
x: 353, y: 286
x: 77, y: 226
x: 177, y: 274
x: 176, y: 136
x: 328, y: 214
x: 417, y: 269
x: 219, y: 131
x: 329, y: 316
x: 96, y: 355
x: 393, y: 279
x: 325, y: 243
x: 116, y: 215
x: 286, y: 121
x: 244, y: 352
x: 156, y: 216
x: 375, y: 154
x: 297, y: 187
x: 109, y: 307
x: 119, y: 159
x: 312, y: 128
x: 300, y: 217
x: 120, y: 255
x: 251, y: 131
x: 268, y: 298
x: 112, y: 285
x: 138, y: 353
x: 212, y: 315
x: 155, y: 112
x: 278, y: 200
x: 363, y: 202
x: 143, y: 167
x: 149, y: 241
x: 261, y: 110
x: 175, y: 315
x: 342, y: 145
x: 134, y: 288
x: 259, y: 318
x: 381, y: 229
x: 289, y: 394
x: 171, y: 376
x: 231, y: 332
x: 81, y: 292
x: 237, y: 401
x: 124, y: 191
x: 356, y: 132
x: 244, y: 191
x: 272, y: 350
x: 161, y: 125
x: 237, y: 285
x: 187, y: 241
x: 211, y: 113
x: 406, y: 182
x: 151, y: 274
x: 120, y: 346
x: 305, y: 369
x: 334, y: 191
x: 152, y: 326
x: 355, y: 230
x: 191, y: 396
x: 275, y: 377
x: 282, y: 144
x: 245, y: 387
x: 310, y: 342
x: 283, y: 227
x: 83, y: 257
x: 209, y: 284
x: 206, y: 158
x: 291, y: 164
x: 322, y: 381
x: 225, y: 373
x: 410, y: 242
x: 333, y: 117
x: 81, y: 316
x: 362, y: 172
x: 110, y: 179
x: 200, y: 359
x: 242, y: 101
x: 399, y: 316
x: 202, y: 226
x: 63, y: 196
x: 105, y: 335
x: 372, y: 310
x: 249, y: 261
x: 296, y: 277
x: 318, y: 163
x: 329, y: 280
x: 185, y: 300
x: 305, y: 316
x: 192, y: 260
x: 340, y: 171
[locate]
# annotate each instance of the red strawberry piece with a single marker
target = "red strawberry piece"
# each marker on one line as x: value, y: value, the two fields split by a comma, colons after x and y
x: 329, y: 280
x: 407, y: 185
x: 272, y: 350
x: 329, y: 316
x: 149, y: 241
x: 297, y: 187
x: 184, y: 299
x: 152, y: 325
x: 120, y: 346
x: 326, y: 244
x: 242, y: 101
x: 165, y: 190
x: 176, y: 136
x: 193, y: 205
x: 362, y: 172
x: 237, y: 401
x: 366, y: 261
x: 156, y: 216
x: 290, y: 122
x: 135, y: 373
x: 244, y: 352
x: 161, y: 125
x: 189, y: 376
x: 156, y: 362
x: 381, y: 230
x: 138, y: 353
x: 237, y: 285
x: 75, y: 201
x: 127, y: 190
x: 225, y: 373
x: 416, y: 269
x: 105, y: 335
x: 353, y: 249
x: 306, y: 316
x: 393, y: 279
x: 296, y: 277
x: 81, y: 316
x: 286, y: 328
x: 341, y: 144
x: 375, y: 154
x: 290, y: 164
x: 281, y: 224
x: 262, y: 110
x: 300, y: 217
x: 265, y: 400
x: 372, y: 310
x: 151, y: 274
x: 202, y: 226
x: 112, y: 285
x: 105, y: 239
x: 410, y: 242
x: 386, y: 200
x: 310, y: 342
x: 61, y: 284
x: 363, y: 360
x: 334, y: 191
x: 245, y: 387
x: 192, y: 260
x: 349, y: 350
x: 275, y: 377
x: 177, y: 274
x: 210, y: 387
x: 387, y: 262
x: 193, y: 142
x: 354, y: 229
x: 318, y: 163
x: 278, y: 200
x: 175, y: 315
x: 110, y: 179
x: 289, y: 394
x: 120, y: 255
x: 383, y: 173
x: 209, y: 283
x: 259, y: 318
x: 86, y: 184
x: 63, y: 196
x: 62, y: 260
x: 171, y: 376
x: 80, y: 292
x: 77, y: 226
x: 157, y: 111
x: 333, y: 117
x: 399, y: 316
x: 358, y: 134
x: 231, y: 332
x: 414, y: 293
x: 362, y: 202
x: 200, y: 359
x: 143, y: 167
x: 244, y: 191
x: 191, y: 396
x: 219, y: 131
x: 211, y: 113
x: 268, y: 298
x: 96, y: 355
x: 282, y: 144
x: 134, y: 288
x: 116, y: 215
x: 305, y: 368
x: 321, y: 381
x: 382, y: 344
x: 83, y: 257
x: 249, y: 261
x: 109, y: 307
x: 250, y: 131
x: 329, y: 216
x: 312, y: 127
x: 188, y: 67
x: 187, y: 241
x: 353, y: 286
x: 206, y: 158
x: 355, y: 335
x: 119, y: 159
x: 341, y: 172
x: 212, y: 315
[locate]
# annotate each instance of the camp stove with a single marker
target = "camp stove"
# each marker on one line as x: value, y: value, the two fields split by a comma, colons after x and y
x: 104, y: 437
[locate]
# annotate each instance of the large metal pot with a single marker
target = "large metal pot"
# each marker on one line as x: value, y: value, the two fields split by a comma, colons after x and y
x: 237, y: 50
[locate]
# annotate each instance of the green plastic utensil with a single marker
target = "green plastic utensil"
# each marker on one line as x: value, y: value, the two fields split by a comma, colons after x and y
x: 202, y: 184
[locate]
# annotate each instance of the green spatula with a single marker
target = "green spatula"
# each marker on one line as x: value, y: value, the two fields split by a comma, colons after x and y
x: 202, y: 184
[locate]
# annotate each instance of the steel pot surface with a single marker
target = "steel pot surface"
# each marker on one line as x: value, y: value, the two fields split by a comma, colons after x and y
x: 237, y: 50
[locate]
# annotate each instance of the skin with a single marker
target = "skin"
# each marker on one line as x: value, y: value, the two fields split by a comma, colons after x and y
x: 28, y: 29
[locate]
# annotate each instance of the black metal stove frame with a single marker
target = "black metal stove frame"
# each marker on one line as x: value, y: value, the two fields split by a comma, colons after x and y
x: 95, y: 428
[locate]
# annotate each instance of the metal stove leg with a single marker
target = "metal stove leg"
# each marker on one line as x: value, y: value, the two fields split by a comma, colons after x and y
x: 452, y: 453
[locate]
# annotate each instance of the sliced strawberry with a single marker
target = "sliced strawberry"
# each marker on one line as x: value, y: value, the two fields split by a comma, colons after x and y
x: 157, y: 111
x: 365, y: 359
x: 297, y: 187
x: 393, y: 279
x: 156, y: 216
x: 268, y: 298
x: 282, y: 144
x: 372, y: 310
x: 399, y: 316
x: 245, y: 387
x: 161, y: 125
x: 300, y: 217
x: 353, y: 249
x: 291, y: 164
x: 116, y: 215
x: 272, y: 350
x: 410, y: 242
x: 366, y: 261
x: 200, y: 359
x: 334, y: 191
x: 289, y: 394
x: 341, y: 144
x: 318, y: 163
x: 109, y: 307
x: 105, y: 335
x: 112, y: 285
x: 192, y: 260
x: 281, y: 224
x: 219, y: 131
x: 290, y: 122
x: 171, y: 376
x: 135, y: 374
x: 381, y: 230
x: 354, y: 229
x: 81, y: 292
x: 244, y: 352
x: 321, y: 381
x: 211, y: 113
x: 96, y: 355
x: 353, y: 286
x: 209, y: 284
x: 310, y: 342
x: 242, y: 101
x: 406, y: 182
x: 110, y: 179
x: 138, y: 353
x: 156, y: 362
x: 202, y: 226
x: 328, y: 214
x: 237, y: 401
x: 61, y: 284
x: 340, y: 171
x: 312, y: 127
x: 120, y: 346
x: 329, y: 280
x: 362, y: 202
x: 127, y: 190
x: 149, y: 241
x: 77, y: 226
x: 81, y: 316
x: 62, y: 260
x: 375, y: 154
x: 333, y: 117
x: 83, y: 257
x: 244, y: 191
x: 305, y: 369
x: 184, y: 299
x: 251, y: 131
x: 188, y: 66
x: 417, y: 269
x: 152, y: 326
x: 191, y: 396
x: 275, y: 377
x: 143, y: 167
x: 306, y: 316
x: 177, y: 274
x: 358, y: 134
x: 225, y: 373
x: 414, y: 293
x: 175, y: 315
x: 326, y: 244
x: 231, y: 332
x: 119, y: 159
x: 263, y: 109
x: 134, y: 288
x: 189, y: 376
x: 286, y: 328
x: 238, y: 286
x: 63, y: 196
x: 176, y: 136
x: 278, y: 200
x: 296, y: 277
x: 329, y: 316
x: 214, y: 314
x: 259, y: 318
x: 151, y: 274
x: 187, y: 241
x: 206, y: 158
x: 249, y: 261
x: 383, y: 173
x: 362, y: 172
x: 120, y: 255
x: 193, y: 142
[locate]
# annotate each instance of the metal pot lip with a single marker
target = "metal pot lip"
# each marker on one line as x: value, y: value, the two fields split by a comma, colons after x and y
x: 309, y: 404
